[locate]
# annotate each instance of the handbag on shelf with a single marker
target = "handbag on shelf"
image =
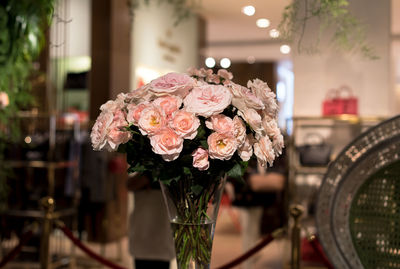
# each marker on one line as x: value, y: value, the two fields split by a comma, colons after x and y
x: 314, y: 154
x: 340, y: 101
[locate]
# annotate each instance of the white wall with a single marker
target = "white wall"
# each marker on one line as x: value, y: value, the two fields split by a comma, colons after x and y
x: 158, y: 45
x: 70, y: 30
x: 370, y: 80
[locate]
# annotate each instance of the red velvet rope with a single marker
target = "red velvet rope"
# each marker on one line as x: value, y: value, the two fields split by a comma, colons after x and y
x: 15, y: 251
x: 265, y: 241
x: 317, y: 248
x: 105, y: 262
x: 85, y: 249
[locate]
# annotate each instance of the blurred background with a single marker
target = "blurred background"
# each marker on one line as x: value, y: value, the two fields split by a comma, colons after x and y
x: 91, y: 50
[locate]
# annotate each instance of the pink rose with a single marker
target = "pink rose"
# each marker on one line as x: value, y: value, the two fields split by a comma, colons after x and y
x: 264, y: 151
x: 221, y: 146
x: 151, y: 120
x: 205, y: 72
x: 168, y: 104
x: 264, y: 93
x: 172, y: 83
x: 134, y: 112
x: 278, y: 144
x: 185, y: 124
x: 213, y: 78
x: 270, y: 126
x: 208, y: 100
x: 243, y: 98
x: 167, y: 143
x: 220, y: 123
x: 239, y: 130
x: 116, y: 135
x: 191, y: 71
x: 223, y: 73
x: 139, y: 95
x: 99, y: 132
x: 107, y: 131
x: 114, y: 105
x: 200, y: 73
x: 253, y: 119
x: 245, y: 151
x: 4, y: 100
x: 200, y: 159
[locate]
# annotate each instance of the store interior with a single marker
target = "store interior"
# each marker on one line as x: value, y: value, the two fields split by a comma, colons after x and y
x: 335, y: 102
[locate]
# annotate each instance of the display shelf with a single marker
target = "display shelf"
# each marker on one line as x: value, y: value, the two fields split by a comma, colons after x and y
x: 337, y: 131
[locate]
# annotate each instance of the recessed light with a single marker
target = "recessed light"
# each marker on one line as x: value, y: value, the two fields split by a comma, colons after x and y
x: 274, y: 33
x: 249, y: 10
x: 285, y: 49
x: 263, y: 23
x: 210, y: 62
x: 251, y: 60
x: 225, y: 62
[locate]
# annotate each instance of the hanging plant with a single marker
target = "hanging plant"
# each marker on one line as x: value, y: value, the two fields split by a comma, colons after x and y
x: 332, y: 16
x: 22, y: 25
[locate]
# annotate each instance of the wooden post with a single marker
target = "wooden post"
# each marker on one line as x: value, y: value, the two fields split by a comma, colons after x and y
x: 111, y: 52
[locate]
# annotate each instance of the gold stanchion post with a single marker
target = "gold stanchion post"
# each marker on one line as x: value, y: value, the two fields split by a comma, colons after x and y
x: 47, y: 204
x: 296, y: 211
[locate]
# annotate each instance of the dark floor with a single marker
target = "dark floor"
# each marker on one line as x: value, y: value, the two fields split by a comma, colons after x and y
x: 227, y: 246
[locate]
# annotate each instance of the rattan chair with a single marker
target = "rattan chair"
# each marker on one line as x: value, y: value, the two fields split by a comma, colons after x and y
x: 358, y: 206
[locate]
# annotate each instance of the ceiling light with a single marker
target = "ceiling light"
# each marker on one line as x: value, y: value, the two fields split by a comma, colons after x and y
x: 285, y: 49
x: 225, y: 62
x: 263, y: 23
x: 210, y: 62
x: 249, y: 10
x: 274, y: 33
x: 251, y: 60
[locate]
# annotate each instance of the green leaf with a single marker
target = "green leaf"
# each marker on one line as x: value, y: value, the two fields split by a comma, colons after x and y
x: 139, y: 168
x: 197, y: 189
x: 244, y: 166
x: 204, y: 144
x: 201, y: 132
x: 235, y: 172
x: 168, y: 181
x: 187, y: 171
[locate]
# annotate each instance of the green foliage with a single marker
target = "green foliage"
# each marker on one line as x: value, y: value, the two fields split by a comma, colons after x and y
x: 22, y: 25
x: 333, y: 16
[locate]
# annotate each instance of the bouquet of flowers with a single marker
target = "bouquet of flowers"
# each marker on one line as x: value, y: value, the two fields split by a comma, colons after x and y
x: 188, y: 131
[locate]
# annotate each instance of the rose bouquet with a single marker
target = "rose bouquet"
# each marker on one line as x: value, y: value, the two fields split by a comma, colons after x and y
x: 190, y: 131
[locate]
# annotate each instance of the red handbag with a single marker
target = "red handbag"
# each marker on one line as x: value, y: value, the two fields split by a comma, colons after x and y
x: 340, y: 101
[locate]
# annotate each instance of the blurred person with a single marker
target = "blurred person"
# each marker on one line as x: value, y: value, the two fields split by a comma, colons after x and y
x: 150, y: 236
x: 261, y: 197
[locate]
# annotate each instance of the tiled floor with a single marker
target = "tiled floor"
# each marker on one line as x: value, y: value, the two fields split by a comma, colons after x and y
x: 227, y: 246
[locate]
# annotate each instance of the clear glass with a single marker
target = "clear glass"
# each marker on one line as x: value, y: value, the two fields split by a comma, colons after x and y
x: 193, y: 209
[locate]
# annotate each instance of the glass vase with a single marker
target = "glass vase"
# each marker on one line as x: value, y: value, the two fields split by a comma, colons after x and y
x: 192, y: 206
